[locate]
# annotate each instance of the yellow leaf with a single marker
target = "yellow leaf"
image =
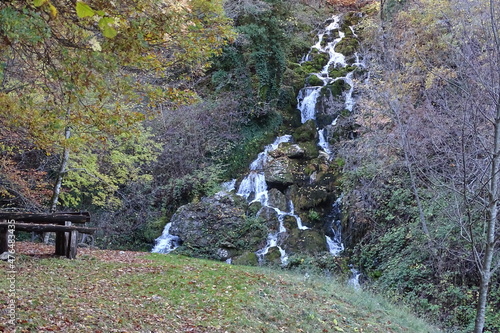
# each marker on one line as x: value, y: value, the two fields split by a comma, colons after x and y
x: 53, y: 11
x: 39, y: 3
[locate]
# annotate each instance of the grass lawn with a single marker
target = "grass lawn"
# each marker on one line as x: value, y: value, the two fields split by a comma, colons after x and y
x: 120, y: 291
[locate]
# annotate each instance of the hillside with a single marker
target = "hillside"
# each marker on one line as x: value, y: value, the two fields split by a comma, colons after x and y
x: 314, y: 135
x: 123, y: 291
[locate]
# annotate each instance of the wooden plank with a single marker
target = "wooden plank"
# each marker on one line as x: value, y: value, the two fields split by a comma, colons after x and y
x: 55, y: 218
x: 48, y: 228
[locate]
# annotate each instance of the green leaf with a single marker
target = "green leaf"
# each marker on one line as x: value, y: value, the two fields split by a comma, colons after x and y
x: 84, y: 10
x: 105, y: 25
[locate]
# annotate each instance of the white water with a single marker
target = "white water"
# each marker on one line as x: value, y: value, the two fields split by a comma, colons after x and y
x: 335, y: 245
x: 323, y: 143
x: 354, y: 279
x: 166, y: 243
x: 254, y: 188
x: 307, y: 103
x: 254, y: 184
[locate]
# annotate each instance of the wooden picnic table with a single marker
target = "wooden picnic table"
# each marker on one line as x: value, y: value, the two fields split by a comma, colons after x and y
x: 66, y: 225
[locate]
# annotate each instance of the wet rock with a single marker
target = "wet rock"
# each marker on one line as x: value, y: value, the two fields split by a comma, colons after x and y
x: 309, y: 197
x: 306, y: 132
x: 308, y: 241
x: 273, y: 256
x: 277, y: 199
x: 279, y: 172
x: 216, y: 224
x: 270, y: 216
x: 246, y: 258
x: 290, y: 150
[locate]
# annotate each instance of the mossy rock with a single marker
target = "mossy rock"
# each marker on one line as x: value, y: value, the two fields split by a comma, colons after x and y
x: 294, y: 78
x: 351, y: 19
x: 277, y: 199
x: 347, y: 46
x: 247, y: 258
x: 288, y: 149
x: 313, y: 81
x: 311, y: 150
x: 306, y: 132
x: 253, y: 208
x: 270, y: 217
x: 279, y: 172
x: 290, y: 223
x: 308, y: 241
x: 317, y: 61
x: 341, y: 72
x: 309, y: 197
x: 335, y: 89
x: 273, y: 256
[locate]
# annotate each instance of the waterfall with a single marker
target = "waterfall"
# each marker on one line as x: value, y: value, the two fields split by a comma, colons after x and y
x: 354, y: 279
x: 307, y: 103
x: 254, y: 184
x: 334, y: 240
x: 253, y: 187
x: 166, y: 243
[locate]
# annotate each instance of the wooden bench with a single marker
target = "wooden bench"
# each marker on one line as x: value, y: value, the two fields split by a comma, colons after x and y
x: 65, y: 225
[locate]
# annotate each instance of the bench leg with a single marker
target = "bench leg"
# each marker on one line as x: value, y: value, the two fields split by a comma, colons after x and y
x: 4, y: 246
x: 61, y: 243
x: 73, y: 244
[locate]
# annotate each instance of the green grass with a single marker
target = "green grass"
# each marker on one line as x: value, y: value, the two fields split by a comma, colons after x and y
x: 169, y: 293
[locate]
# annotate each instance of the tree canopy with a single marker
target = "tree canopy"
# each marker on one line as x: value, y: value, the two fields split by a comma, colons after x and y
x: 75, y: 75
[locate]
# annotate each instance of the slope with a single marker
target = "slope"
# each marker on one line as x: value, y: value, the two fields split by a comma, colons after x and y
x: 118, y: 291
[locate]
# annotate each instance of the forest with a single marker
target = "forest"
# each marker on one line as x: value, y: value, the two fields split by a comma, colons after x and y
x: 139, y: 111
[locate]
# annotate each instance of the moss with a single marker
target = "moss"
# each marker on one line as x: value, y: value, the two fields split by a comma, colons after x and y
x: 310, y: 197
x: 341, y: 72
x: 253, y: 208
x: 350, y: 19
x: 313, y: 80
x: 247, y: 258
x: 294, y: 78
x: 317, y: 62
x: 336, y: 88
x: 347, y: 46
x: 306, y: 132
x: 311, y: 149
x: 273, y: 256
x: 305, y: 241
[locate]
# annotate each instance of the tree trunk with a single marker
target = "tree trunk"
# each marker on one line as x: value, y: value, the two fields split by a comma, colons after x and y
x: 58, y: 184
x: 485, y: 267
x: 60, y: 175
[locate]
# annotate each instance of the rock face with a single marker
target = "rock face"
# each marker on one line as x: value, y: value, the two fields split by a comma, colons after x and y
x: 218, y: 227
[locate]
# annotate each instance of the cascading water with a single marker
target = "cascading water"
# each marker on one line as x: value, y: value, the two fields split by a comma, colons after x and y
x: 254, y: 187
x: 354, y: 279
x: 334, y: 239
x: 307, y: 105
x: 166, y: 243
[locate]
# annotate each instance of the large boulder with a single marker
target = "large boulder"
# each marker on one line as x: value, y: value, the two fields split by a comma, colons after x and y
x: 308, y: 241
x: 218, y: 227
x: 279, y: 172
